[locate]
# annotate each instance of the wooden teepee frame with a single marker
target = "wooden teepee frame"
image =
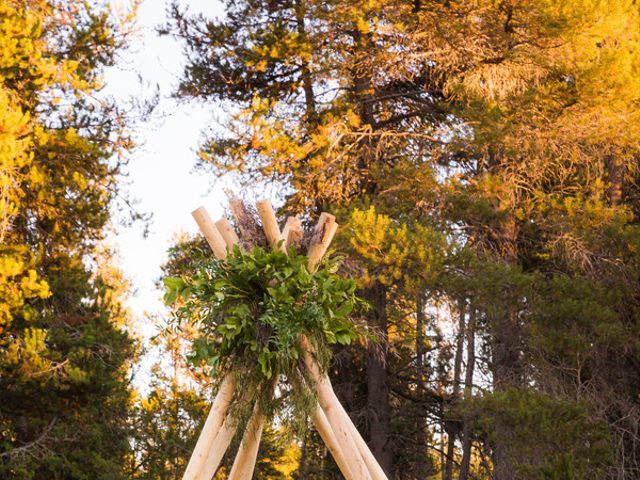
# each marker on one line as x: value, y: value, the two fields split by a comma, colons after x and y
x: 349, y: 450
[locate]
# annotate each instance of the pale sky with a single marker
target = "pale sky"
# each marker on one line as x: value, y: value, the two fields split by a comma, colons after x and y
x: 160, y: 173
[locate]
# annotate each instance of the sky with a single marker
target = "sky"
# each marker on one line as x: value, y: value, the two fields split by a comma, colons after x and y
x: 160, y: 174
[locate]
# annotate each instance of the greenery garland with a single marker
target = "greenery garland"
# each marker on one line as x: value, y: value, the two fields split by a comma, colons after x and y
x: 251, y: 310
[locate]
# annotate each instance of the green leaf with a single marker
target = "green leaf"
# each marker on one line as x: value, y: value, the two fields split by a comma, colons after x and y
x: 265, y: 364
x: 170, y: 297
x: 344, y: 309
x: 173, y: 283
x: 344, y: 337
x: 174, y: 287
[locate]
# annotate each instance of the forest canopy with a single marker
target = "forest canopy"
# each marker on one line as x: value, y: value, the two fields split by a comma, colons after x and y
x: 482, y: 159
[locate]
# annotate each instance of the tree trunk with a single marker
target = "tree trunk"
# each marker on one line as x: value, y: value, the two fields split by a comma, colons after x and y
x: 422, y: 465
x: 468, y: 391
x: 615, y: 172
x: 452, y: 429
x: 307, y: 81
x: 420, y: 320
x: 302, y: 465
x: 506, y: 365
x: 507, y: 373
x: 443, y: 460
x: 377, y: 382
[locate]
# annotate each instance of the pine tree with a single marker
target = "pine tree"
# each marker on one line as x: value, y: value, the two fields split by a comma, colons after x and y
x: 64, y: 348
x: 167, y: 419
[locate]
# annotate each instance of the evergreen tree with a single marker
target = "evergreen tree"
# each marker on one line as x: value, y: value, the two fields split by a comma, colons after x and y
x: 64, y: 347
x: 168, y: 418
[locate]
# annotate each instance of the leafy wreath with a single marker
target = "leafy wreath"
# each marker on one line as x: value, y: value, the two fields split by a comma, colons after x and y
x: 251, y: 310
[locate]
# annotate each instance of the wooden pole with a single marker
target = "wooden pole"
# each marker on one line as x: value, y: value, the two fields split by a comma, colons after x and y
x: 332, y: 409
x: 218, y: 430
x: 323, y: 427
x: 269, y: 223
x: 320, y: 241
x: 374, y: 468
x: 245, y: 460
x: 292, y: 232
x: 217, y: 449
x: 318, y: 231
x: 210, y: 232
x: 211, y: 428
x: 228, y: 233
x: 376, y: 471
x: 323, y: 234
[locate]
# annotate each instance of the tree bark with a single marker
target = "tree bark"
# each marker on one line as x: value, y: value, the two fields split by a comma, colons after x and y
x: 615, y: 172
x: 452, y: 429
x: 377, y: 381
x: 468, y: 391
x: 422, y: 464
x: 507, y: 373
x: 307, y: 80
x: 302, y: 465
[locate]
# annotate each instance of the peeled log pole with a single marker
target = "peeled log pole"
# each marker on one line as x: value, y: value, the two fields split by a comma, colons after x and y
x: 376, y: 471
x: 217, y: 433
x: 228, y: 233
x: 373, y: 467
x: 318, y: 231
x: 323, y: 427
x: 336, y: 415
x: 269, y: 223
x: 245, y: 460
x: 323, y: 234
x: 217, y: 449
x: 211, y: 428
x: 325, y: 231
x: 210, y: 232
x: 292, y: 232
